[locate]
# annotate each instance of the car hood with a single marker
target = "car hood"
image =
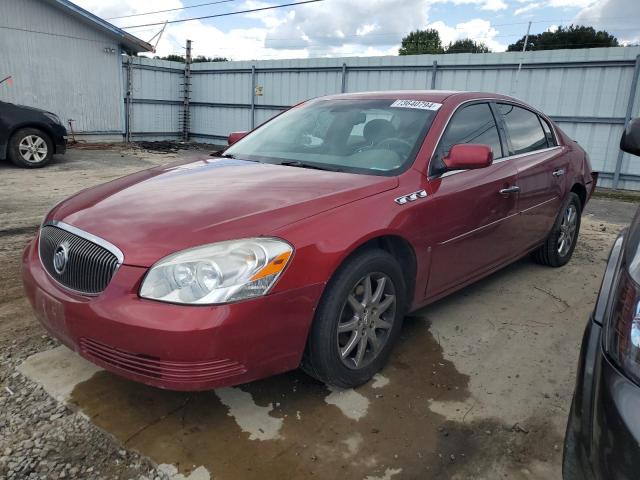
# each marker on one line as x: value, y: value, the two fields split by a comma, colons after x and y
x: 153, y: 213
x: 27, y: 107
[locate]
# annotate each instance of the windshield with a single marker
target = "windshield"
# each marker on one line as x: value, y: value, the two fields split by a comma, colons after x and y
x: 376, y: 137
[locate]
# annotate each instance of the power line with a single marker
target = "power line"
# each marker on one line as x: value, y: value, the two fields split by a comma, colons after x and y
x: 18, y: 29
x: 226, y: 14
x: 171, y: 9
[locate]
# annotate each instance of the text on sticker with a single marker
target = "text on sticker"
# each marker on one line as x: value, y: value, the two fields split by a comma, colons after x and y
x: 420, y: 104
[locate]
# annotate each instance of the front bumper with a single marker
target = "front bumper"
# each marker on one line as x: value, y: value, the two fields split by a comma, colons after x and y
x: 170, y: 346
x: 60, y: 138
x: 61, y: 146
x: 603, y: 433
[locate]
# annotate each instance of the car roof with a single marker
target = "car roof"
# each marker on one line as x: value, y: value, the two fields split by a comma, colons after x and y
x: 438, y: 96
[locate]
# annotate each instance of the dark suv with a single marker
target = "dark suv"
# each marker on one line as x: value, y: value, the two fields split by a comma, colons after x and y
x: 603, y: 432
x: 29, y: 137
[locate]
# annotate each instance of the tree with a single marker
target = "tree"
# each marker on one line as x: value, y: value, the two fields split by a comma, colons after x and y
x: 420, y: 42
x: 573, y: 36
x: 199, y: 59
x: 467, y: 46
x: 172, y: 58
x: 202, y: 58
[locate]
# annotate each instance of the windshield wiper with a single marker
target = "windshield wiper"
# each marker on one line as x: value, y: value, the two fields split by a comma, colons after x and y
x: 298, y: 163
x: 232, y: 157
x: 219, y: 154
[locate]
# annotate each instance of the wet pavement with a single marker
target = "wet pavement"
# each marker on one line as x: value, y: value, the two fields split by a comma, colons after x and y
x: 289, y: 426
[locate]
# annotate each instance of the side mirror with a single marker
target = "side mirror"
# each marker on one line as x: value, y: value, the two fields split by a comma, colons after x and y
x: 235, y: 136
x: 630, y: 141
x: 466, y: 156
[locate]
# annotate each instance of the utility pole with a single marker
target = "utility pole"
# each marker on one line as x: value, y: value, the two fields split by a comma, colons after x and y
x: 187, y: 92
x: 129, y: 101
x: 524, y: 49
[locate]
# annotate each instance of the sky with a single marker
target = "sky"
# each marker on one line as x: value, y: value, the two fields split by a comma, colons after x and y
x: 337, y: 28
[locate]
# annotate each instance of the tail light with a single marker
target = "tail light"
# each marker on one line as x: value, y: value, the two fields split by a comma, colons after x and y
x: 622, y: 334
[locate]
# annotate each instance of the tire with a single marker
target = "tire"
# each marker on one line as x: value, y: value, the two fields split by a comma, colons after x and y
x: 553, y: 253
x: 359, y: 324
x: 30, y: 148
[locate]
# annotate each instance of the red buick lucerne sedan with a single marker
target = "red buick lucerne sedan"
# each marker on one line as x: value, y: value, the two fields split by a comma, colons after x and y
x: 306, y: 241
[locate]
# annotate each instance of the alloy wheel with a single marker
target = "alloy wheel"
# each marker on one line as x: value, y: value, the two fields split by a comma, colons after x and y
x: 33, y: 149
x: 567, y: 230
x: 366, y: 320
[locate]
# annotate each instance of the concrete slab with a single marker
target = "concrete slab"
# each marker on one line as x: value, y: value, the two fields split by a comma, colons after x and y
x: 58, y: 371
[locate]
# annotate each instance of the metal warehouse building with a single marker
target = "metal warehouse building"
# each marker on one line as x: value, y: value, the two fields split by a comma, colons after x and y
x: 66, y: 60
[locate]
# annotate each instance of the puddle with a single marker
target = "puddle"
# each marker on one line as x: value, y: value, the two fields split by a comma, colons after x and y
x: 290, y: 426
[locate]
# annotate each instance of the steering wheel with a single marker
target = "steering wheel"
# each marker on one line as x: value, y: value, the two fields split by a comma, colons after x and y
x: 402, y: 147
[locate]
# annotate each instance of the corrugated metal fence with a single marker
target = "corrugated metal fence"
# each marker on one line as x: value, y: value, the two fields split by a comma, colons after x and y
x: 591, y: 93
x: 153, y: 94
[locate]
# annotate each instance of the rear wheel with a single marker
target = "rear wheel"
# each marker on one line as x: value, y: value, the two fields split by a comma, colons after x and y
x: 30, y: 148
x: 357, y: 321
x: 559, y: 245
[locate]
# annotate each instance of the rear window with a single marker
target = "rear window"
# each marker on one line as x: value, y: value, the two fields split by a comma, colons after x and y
x: 548, y: 132
x: 524, y: 128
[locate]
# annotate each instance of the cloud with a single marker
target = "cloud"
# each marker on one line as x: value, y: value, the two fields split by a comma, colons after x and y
x: 618, y: 17
x: 332, y: 28
x: 571, y: 3
x: 477, y: 29
x: 490, y: 5
x: 368, y: 23
x: 527, y: 8
x: 494, y: 5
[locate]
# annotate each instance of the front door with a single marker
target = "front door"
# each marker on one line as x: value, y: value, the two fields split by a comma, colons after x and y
x: 472, y: 212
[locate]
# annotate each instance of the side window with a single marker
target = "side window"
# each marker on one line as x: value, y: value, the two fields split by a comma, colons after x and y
x: 525, y: 130
x: 472, y: 124
x: 548, y: 132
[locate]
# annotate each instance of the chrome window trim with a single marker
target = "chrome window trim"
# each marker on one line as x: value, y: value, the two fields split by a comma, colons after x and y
x: 87, y: 236
x: 510, y: 157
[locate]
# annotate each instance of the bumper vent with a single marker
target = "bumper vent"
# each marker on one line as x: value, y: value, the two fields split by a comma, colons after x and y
x: 76, y: 262
x: 154, y: 368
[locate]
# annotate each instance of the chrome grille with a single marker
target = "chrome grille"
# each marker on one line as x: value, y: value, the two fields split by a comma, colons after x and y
x: 88, y: 267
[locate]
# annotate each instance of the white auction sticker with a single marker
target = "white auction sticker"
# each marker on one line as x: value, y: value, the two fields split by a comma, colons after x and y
x: 420, y: 104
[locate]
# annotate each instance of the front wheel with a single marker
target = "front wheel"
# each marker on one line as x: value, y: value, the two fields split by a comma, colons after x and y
x: 559, y: 245
x: 30, y: 148
x: 357, y: 321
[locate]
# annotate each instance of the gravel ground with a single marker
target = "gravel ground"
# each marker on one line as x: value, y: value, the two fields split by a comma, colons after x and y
x: 472, y: 391
x: 40, y: 437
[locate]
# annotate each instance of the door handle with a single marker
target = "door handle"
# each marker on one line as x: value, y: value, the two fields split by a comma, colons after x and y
x: 558, y: 173
x: 508, y: 190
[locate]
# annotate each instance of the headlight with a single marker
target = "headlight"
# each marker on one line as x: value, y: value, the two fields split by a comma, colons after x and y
x: 53, y: 117
x: 219, y: 272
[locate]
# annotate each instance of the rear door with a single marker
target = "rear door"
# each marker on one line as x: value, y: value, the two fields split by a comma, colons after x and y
x: 542, y: 167
x: 472, y: 223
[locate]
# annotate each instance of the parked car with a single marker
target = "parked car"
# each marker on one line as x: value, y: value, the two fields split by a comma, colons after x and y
x: 308, y: 240
x: 29, y: 137
x: 603, y: 430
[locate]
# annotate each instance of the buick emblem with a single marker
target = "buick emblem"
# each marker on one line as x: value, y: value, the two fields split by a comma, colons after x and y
x: 61, y: 258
